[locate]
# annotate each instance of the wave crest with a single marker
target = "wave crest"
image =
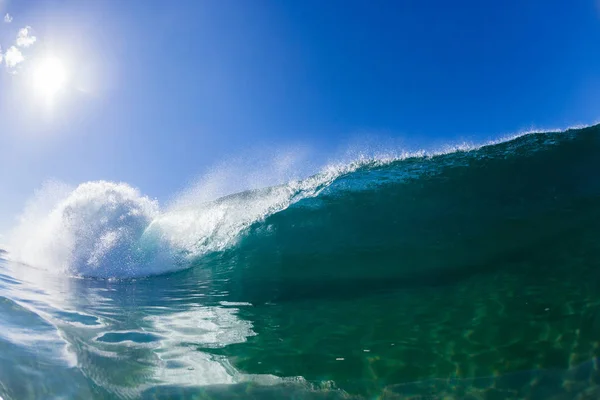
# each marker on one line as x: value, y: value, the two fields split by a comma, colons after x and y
x: 94, y: 230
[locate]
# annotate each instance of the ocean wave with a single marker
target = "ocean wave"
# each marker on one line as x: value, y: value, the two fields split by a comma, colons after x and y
x: 110, y: 230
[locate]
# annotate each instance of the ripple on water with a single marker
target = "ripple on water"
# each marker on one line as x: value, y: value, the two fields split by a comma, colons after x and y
x: 129, y: 336
x: 78, y: 318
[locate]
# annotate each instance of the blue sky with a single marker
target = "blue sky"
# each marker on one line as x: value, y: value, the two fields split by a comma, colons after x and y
x: 160, y: 91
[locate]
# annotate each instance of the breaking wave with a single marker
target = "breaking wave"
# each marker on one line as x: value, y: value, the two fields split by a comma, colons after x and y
x: 110, y: 230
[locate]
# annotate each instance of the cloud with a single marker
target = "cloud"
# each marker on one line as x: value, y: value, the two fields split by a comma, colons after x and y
x: 8, y: 18
x: 13, y: 57
x: 23, y: 37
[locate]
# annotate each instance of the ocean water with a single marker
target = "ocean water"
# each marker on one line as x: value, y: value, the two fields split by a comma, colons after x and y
x: 470, y: 274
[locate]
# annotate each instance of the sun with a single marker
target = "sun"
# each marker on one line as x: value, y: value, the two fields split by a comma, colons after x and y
x: 49, y: 77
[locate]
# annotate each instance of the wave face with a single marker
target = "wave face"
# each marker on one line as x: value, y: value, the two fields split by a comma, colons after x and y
x: 418, y: 217
x: 423, y: 213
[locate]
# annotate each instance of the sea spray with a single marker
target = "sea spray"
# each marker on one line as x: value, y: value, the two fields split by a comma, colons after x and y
x: 93, y: 230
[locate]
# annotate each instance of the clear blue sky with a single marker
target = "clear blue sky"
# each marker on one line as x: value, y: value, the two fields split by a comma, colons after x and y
x: 159, y: 91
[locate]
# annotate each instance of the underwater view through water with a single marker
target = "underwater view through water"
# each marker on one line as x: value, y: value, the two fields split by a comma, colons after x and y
x: 472, y: 274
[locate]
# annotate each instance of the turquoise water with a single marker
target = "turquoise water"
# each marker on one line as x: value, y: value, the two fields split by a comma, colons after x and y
x: 467, y: 275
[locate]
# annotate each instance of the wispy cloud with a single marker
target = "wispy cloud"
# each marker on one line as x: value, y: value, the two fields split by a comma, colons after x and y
x: 24, y: 39
x: 13, y: 57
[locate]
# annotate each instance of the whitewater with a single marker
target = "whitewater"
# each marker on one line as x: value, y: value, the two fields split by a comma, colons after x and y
x: 470, y: 271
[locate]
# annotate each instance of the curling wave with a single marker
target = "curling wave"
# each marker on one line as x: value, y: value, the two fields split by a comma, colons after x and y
x: 392, y: 205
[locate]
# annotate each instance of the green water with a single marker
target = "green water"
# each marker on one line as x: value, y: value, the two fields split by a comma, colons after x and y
x: 470, y: 275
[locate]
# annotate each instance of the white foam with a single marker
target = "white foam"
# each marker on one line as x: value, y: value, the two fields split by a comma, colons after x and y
x: 93, y: 230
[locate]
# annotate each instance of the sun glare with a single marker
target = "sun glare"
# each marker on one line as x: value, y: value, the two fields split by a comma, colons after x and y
x: 49, y: 77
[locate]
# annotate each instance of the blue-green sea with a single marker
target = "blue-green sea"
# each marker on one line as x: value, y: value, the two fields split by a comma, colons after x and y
x: 472, y: 273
